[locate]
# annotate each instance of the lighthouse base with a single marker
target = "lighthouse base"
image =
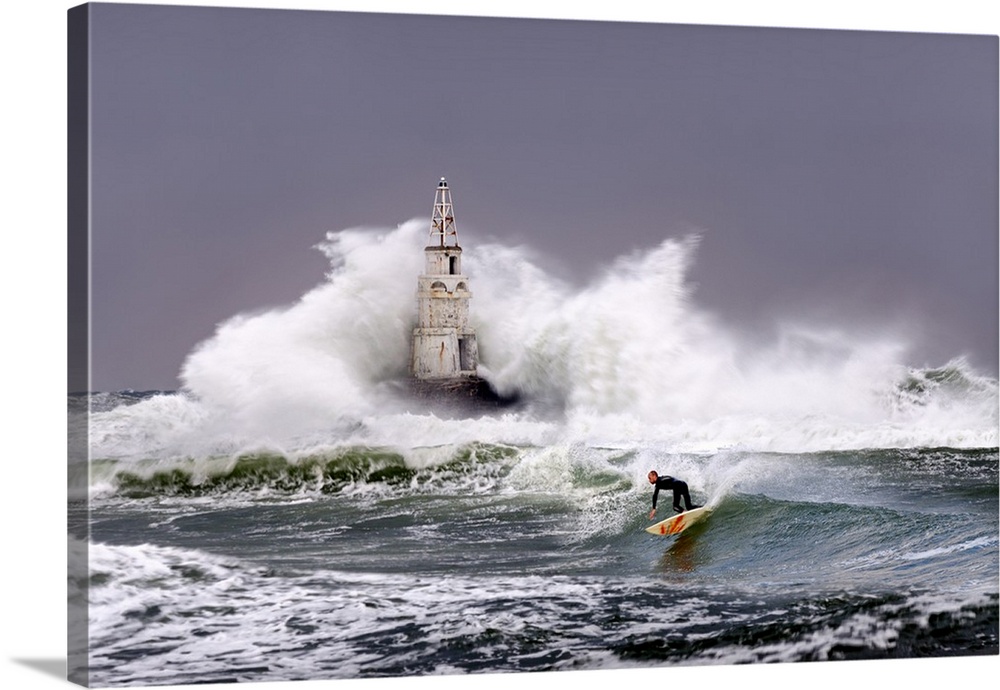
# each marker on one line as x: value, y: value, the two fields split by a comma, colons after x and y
x: 458, y: 395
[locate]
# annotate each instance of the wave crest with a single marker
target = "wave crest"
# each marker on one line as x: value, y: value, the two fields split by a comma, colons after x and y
x: 627, y: 358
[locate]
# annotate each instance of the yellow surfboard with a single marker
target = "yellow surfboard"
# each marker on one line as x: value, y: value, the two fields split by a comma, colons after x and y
x: 679, y: 523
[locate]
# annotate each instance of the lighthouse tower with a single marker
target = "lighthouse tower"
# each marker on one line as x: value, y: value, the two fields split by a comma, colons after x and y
x: 444, y: 346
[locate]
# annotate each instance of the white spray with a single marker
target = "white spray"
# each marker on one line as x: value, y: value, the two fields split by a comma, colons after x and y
x: 629, y: 359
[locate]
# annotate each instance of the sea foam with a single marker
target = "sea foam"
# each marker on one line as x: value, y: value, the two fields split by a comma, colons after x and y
x: 627, y: 359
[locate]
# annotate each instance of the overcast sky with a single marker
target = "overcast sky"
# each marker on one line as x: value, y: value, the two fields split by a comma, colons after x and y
x: 849, y: 177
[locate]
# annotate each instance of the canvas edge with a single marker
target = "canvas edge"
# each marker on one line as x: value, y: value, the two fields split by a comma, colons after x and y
x: 78, y: 340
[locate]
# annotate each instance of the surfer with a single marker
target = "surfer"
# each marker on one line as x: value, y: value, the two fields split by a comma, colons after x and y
x: 679, y: 488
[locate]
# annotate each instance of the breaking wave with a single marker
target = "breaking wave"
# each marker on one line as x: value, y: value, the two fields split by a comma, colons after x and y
x: 626, y: 359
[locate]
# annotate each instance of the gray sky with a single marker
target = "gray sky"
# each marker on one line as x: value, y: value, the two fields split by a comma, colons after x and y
x: 846, y: 176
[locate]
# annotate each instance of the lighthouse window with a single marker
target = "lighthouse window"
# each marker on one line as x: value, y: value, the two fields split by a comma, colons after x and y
x: 461, y: 286
x: 453, y: 265
x: 438, y: 285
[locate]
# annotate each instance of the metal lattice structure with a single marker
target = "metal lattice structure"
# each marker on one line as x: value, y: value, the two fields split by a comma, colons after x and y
x: 443, y: 217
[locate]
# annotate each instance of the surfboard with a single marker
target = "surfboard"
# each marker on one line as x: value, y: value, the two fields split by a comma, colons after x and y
x: 680, y: 522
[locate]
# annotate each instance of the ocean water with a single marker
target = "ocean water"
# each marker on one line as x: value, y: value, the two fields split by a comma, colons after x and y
x: 288, y: 514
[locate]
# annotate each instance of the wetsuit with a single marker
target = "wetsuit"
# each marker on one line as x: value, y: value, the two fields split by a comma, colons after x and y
x: 679, y: 487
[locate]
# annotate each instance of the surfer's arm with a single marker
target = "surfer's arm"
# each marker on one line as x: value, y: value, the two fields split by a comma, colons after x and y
x: 656, y: 492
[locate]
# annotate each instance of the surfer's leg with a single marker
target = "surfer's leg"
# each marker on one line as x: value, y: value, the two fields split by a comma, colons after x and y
x: 677, y: 500
x: 687, y: 498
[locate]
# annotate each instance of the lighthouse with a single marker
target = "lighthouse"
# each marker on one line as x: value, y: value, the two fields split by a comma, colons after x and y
x: 444, y: 346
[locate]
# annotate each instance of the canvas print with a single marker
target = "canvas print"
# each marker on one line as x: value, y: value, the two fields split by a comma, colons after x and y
x: 410, y: 345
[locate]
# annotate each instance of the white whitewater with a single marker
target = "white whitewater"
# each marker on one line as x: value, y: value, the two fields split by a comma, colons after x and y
x: 628, y: 360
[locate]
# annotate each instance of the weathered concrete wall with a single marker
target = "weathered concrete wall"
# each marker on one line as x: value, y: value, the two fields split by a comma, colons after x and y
x: 442, y: 261
x: 435, y: 353
x: 443, y: 303
x: 443, y: 344
x: 439, y: 353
